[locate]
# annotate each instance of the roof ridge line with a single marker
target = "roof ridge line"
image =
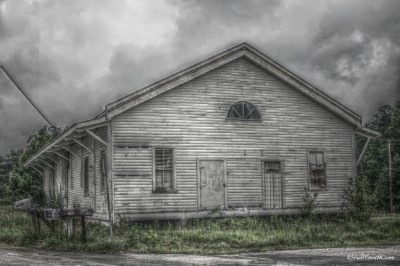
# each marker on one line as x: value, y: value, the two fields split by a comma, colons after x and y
x: 175, y: 75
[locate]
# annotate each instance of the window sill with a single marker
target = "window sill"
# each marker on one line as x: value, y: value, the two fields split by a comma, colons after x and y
x: 248, y: 120
x: 317, y: 189
x: 169, y: 191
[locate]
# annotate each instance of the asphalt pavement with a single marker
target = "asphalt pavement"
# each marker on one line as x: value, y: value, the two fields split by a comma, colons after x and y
x: 387, y: 255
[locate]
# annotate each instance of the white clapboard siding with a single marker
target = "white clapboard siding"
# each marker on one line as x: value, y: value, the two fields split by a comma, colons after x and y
x: 76, y: 191
x: 191, y: 119
x: 96, y: 198
x: 100, y: 200
x: 74, y: 183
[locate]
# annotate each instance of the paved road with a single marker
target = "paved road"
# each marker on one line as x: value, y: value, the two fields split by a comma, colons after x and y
x: 333, y: 256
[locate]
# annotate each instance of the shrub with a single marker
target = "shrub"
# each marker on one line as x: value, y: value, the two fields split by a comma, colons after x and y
x: 358, y: 200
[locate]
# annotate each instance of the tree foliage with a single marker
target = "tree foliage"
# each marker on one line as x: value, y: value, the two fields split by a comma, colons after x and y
x: 18, y: 181
x: 374, y: 164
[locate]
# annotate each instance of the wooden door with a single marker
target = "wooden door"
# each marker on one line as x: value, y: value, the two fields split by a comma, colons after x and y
x: 212, y: 184
x: 64, y: 183
x: 273, y: 185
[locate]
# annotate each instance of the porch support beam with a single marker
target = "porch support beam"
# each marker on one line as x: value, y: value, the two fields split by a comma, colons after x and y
x: 46, y: 163
x: 51, y: 159
x: 68, y: 149
x: 362, y: 134
x: 80, y: 143
x: 96, y: 137
x: 62, y: 156
x: 38, y: 165
x: 36, y: 169
x: 363, y: 151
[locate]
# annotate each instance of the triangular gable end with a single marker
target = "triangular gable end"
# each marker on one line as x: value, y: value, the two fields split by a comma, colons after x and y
x: 242, y: 50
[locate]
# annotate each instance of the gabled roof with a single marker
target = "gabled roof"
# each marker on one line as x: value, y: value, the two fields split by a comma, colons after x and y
x: 243, y: 50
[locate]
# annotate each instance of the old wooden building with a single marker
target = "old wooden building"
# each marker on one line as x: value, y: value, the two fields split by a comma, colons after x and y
x: 237, y: 133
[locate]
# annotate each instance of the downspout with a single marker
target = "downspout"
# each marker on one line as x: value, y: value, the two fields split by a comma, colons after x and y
x: 109, y: 206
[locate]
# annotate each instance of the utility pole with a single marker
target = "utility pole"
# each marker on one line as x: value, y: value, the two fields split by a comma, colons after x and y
x: 29, y: 100
x: 390, y: 179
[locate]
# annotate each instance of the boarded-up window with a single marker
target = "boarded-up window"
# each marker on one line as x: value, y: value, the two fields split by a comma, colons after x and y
x: 243, y: 111
x: 86, y: 175
x: 103, y: 171
x: 164, y: 169
x: 317, y: 169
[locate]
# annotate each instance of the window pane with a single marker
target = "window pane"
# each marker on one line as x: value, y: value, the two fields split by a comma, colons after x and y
x: 230, y: 113
x: 246, y: 109
x: 168, y: 179
x: 319, y: 158
x: 163, y: 159
x: 159, y: 179
x: 237, y: 110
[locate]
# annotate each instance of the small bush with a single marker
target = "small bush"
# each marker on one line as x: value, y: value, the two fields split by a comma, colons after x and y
x: 358, y: 200
x: 309, y: 203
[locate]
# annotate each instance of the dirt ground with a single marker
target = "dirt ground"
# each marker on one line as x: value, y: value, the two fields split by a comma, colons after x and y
x: 388, y: 255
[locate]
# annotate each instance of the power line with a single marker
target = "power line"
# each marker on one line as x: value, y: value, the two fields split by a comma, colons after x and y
x: 29, y: 100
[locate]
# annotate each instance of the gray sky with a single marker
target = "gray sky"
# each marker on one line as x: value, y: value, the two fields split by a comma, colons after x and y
x: 73, y: 56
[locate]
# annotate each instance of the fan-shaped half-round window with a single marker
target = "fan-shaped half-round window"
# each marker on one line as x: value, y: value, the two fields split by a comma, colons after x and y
x: 243, y: 111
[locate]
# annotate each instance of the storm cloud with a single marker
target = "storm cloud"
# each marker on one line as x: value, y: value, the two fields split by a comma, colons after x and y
x: 72, y: 57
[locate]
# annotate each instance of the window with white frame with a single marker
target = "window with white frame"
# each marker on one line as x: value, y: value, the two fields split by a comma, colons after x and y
x: 164, y: 176
x: 316, y: 169
x: 243, y: 110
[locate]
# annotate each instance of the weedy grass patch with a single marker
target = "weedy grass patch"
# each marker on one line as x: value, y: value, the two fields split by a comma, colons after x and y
x: 206, y: 236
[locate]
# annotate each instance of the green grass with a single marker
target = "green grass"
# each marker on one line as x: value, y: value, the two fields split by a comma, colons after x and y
x: 207, y: 236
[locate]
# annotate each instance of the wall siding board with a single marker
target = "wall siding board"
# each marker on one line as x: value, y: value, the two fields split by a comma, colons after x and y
x: 191, y: 118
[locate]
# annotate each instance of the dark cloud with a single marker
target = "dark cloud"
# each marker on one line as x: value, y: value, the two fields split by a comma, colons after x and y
x: 72, y: 57
x: 350, y: 49
x: 359, y: 43
x: 31, y: 67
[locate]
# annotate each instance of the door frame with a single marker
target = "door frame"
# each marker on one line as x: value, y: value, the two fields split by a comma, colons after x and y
x: 199, y: 159
x: 264, y: 184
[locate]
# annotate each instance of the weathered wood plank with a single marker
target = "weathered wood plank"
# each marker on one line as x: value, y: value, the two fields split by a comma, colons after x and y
x: 191, y: 118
